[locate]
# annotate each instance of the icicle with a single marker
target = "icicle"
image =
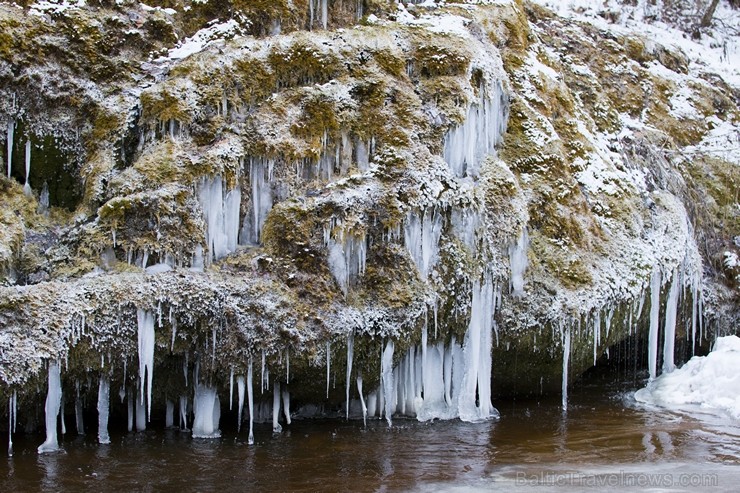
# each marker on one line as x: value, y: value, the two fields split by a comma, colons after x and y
x: 231, y: 390
x: 324, y: 13
x: 566, y: 361
x: 287, y: 364
x: 250, y: 398
x: 185, y: 369
x: 350, y: 357
x: 260, y: 177
x: 27, y: 185
x: 183, y: 412
x: 146, y: 355
x: 264, y: 376
x: 169, y: 415
x: 286, y: 405
x: 328, y: 367
x: 12, y: 413
x: 79, y: 422
x: 654, y: 314
x: 61, y: 414
x: 276, y: 428
x: 11, y: 131
x: 671, y: 310
x: 52, y: 408
x: 221, y: 214
x: 240, y: 394
x: 362, y: 399
x: 387, y: 377
x: 207, y: 410
x: 103, y: 409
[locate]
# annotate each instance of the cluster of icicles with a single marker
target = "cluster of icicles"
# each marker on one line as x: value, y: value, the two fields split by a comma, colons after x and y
x: 682, y: 283
x: 44, y: 196
x: 432, y: 381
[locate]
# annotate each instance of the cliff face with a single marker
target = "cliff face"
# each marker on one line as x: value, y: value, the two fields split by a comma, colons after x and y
x: 353, y: 187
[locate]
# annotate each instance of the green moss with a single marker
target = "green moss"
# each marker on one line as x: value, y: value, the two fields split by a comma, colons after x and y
x: 391, y: 63
x: 436, y: 60
x: 303, y: 64
x: 254, y: 80
x: 163, y: 106
x: 317, y: 120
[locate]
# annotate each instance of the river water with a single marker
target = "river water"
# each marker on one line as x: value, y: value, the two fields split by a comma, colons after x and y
x: 605, y: 441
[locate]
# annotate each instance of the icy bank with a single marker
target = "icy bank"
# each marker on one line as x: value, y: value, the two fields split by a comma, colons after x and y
x: 711, y: 382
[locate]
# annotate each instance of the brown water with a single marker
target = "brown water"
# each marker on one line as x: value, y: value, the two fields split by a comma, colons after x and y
x: 605, y: 441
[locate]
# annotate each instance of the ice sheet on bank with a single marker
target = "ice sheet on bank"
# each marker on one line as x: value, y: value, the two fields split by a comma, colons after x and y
x: 710, y: 382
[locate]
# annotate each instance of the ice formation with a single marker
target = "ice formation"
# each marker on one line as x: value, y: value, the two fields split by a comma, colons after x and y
x: 52, y: 408
x: 466, y: 145
x: 518, y: 262
x: 654, y: 320
x: 146, y: 355
x: 709, y: 382
x: 566, y: 361
x: 183, y: 412
x: 27, y: 185
x: 350, y: 357
x: 240, y: 388
x: 103, y: 409
x: 10, y: 132
x: 250, y: 398
x: 260, y: 177
x: 276, y: 428
x: 443, y: 381
x: 347, y: 256
x: 12, y: 418
x: 286, y: 406
x: 421, y: 237
x: 207, y: 410
x: 221, y: 214
x: 671, y: 312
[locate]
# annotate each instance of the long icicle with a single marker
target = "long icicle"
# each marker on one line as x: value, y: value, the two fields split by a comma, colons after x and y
x: 250, y: 399
x: 350, y: 357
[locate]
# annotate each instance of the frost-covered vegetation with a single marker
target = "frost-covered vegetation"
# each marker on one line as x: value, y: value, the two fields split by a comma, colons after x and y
x: 403, y: 195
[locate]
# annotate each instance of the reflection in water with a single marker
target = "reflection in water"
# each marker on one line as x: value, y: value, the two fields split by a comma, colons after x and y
x: 532, y: 443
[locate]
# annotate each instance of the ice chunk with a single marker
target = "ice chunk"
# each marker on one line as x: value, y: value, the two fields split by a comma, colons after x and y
x: 207, y: 410
x: 103, y: 409
x: 52, y: 408
x: 709, y: 383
